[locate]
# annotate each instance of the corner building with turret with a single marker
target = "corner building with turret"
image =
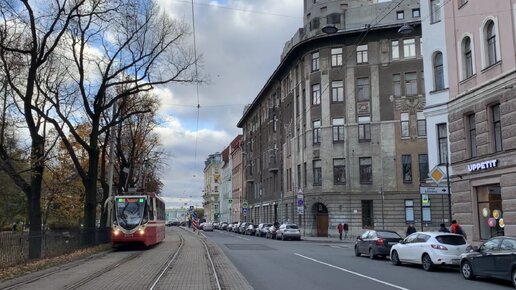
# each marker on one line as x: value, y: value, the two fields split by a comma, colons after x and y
x: 337, y: 133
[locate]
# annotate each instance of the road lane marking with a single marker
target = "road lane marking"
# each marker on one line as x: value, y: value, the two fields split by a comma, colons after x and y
x: 352, y: 272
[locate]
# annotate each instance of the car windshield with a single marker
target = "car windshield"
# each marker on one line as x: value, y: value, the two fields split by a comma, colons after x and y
x: 388, y: 235
x: 451, y: 240
x: 292, y: 227
x: 129, y: 212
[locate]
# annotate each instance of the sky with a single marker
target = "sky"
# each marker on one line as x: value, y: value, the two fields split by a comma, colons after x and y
x: 240, y: 42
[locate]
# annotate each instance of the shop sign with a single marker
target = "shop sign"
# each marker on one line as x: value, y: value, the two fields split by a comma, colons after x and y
x: 482, y: 165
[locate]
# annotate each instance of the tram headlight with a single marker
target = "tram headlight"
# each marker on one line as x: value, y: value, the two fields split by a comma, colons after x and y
x: 142, y: 231
x: 116, y: 232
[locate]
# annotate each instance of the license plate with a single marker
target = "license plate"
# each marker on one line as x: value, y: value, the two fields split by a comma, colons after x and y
x: 129, y: 236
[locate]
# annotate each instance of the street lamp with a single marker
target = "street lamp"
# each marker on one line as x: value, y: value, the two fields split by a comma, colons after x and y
x: 329, y: 29
x: 405, y: 29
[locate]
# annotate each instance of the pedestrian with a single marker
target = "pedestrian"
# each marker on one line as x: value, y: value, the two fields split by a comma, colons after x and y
x: 411, y: 229
x: 340, y: 228
x: 457, y: 229
x: 443, y: 229
x: 346, y: 229
x: 14, y: 227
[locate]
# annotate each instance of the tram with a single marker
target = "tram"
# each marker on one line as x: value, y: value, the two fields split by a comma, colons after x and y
x: 138, y: 219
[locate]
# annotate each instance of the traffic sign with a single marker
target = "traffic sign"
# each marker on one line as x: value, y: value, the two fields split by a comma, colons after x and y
x: 245, y: 204
x: 230, y: 200
x: 433, y: 190
x: 244, y: 211
x: 300, y: 202
x: 437, y: 174
x: 425, y: 200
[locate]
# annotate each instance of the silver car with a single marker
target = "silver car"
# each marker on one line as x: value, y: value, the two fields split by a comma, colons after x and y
x: 207, y: 227
x: 288, y: 231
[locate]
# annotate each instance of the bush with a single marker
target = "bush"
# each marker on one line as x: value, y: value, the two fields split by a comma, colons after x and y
x: 63, y: 225
x: 7, y: 228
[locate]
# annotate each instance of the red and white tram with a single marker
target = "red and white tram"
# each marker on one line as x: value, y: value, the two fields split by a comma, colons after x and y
x: 138, y: 219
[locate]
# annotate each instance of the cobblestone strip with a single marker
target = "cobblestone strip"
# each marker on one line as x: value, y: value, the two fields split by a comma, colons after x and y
x: 191, y: 269
x: 229, y: 276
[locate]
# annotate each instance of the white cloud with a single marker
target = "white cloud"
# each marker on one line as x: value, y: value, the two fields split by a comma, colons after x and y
x: 240, y: 43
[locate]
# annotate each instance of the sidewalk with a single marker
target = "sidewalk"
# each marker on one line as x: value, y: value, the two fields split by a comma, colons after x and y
x: 349, y: 240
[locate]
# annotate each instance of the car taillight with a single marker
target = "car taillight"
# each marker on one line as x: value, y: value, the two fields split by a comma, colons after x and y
x: 380, y: 242
x: 439, y: 247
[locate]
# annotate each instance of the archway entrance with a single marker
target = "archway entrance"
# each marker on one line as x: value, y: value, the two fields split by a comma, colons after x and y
x: 320, y: 212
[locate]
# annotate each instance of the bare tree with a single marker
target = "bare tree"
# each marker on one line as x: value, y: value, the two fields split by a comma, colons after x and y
x: 28, y: 38
x: 114, y: 51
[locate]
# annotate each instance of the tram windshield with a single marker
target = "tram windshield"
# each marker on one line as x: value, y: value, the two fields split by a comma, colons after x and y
x: 130, y: 211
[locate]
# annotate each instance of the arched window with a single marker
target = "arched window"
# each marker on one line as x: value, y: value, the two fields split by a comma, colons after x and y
x: 438, y: 71
x: 491, y: 43
x: 467, y: 57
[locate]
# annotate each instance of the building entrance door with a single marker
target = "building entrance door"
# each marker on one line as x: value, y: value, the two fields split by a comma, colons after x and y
x: 321, y: 219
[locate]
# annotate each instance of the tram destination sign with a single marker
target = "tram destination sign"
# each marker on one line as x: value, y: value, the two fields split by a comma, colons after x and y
x: 433, y: 190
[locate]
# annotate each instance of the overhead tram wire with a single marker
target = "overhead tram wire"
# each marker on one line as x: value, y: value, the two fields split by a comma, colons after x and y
x: 196, y: 86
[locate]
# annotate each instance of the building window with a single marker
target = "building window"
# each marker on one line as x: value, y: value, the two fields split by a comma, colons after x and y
x: 317, y: 131
x: 315, y: 61
x: 489, y: 202
x: 395, y: 49
x: 275, y: 123
x: 337, y: 91
x: 338, y: 129
x: 421, y: 124
x: 491, y: 43
x: 416, y: 13
x: 423, y: 167
x: 336, y: 57
x: 299, y: 175
x: 409, y: 48
x: 497, y: 128
x: 367, y: 214
x: 364, y: 128
x: 363, y: 89
x: 400, y: 15
x: 438, y: 71
x: 316, y: 94
x: 339, y: 171
x: 406, y: 165
x: 467, y: 56
x: 405, y: 125
x: 409, y: 211
x: 435, y: 11
x: 426, y: 211
x: 411, y: 84
x: 472, y: 136
x: 442, y: 138
x: 317, y: 172
x: 362, y: 53
x: 366, y: 170
x: 396, y: 85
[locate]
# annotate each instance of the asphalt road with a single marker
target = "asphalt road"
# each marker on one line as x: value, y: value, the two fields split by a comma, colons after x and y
x: 271, y: 264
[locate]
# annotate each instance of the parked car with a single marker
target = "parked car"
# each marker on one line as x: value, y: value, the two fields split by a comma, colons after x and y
x: 223, y: 226
x: 207, y: 227
x: 376, y: 243
x: 235, y: 227
x: 262, y: 229
x: 429, y: 249
x: 288, y: 231
x: 251, y: 229
x: 271, y: 232
x: 495, y: 258
x: 216, y: 225
x: 173, y: 222
x: 242, y: 228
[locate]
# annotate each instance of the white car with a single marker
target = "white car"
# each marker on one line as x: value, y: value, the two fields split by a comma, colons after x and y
x: 207, y: 227
x: 429, y: 249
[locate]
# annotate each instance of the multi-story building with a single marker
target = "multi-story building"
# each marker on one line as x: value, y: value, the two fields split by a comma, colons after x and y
x: 341, y: 122
x: 226, y: 188
x: 212, y: 180
x: 237, y: 183
x: 480, y: 41
x: 437, y: 97
x: 178, y: 213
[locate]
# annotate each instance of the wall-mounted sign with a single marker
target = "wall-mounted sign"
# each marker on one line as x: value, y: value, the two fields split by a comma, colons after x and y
x: 482, y: 165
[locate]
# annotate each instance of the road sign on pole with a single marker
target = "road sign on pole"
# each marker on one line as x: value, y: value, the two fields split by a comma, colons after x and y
x: 437, y: 175
x: 244, y: 211
x: 300, y: 202
x: 245, y: 204
x: 433, y: 190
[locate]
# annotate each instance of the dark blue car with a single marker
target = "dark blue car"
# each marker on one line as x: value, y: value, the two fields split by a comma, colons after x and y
x: 495, y: 258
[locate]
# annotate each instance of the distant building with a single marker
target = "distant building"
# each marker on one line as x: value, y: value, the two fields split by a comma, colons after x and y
x: 225, y: 193
x: 180, y: 213
x: 237, y: 183
x: 212, y: 181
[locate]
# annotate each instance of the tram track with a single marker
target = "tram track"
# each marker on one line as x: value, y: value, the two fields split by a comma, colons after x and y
x: 171, y: 263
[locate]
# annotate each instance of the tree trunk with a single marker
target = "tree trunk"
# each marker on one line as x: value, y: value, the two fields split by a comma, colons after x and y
x: 90, y: 203
x: 35, y: 234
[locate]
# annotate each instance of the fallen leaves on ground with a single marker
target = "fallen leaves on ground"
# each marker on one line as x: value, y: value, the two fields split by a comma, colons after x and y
x: 45, y: 263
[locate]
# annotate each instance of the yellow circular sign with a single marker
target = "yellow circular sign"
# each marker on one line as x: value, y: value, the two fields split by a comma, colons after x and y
x: 501, y: 223
x: 496, y: 214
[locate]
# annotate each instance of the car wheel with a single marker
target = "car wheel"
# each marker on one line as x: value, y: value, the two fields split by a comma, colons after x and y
x: 357, y: 252
x: 395, y: 259
x: 467, y: 271
x: 513, y: 277
x: 428, y: 265
x: 371, y: 254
